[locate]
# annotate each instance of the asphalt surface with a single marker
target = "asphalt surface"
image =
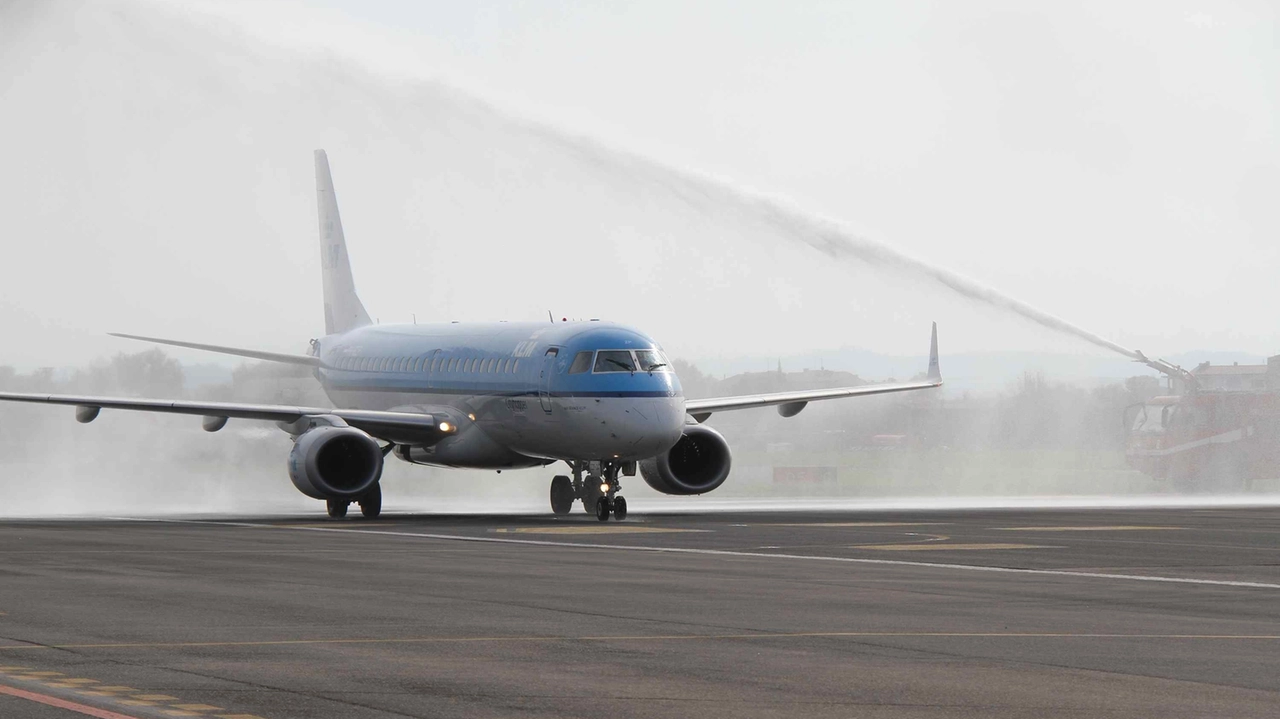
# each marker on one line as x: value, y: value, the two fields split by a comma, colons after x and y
x: 1083, y: 613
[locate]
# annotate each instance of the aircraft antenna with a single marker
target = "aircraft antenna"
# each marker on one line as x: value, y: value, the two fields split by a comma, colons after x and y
x: 551, y: 317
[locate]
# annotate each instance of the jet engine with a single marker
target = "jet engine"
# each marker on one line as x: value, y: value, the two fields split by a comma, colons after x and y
x: 335, y: 463
x: 696, y: 465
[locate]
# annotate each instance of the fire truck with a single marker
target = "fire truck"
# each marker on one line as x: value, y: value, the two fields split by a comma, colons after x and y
x: 1217, y: 430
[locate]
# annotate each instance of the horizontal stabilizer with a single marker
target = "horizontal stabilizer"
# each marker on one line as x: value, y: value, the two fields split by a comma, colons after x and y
x: 307, y: 360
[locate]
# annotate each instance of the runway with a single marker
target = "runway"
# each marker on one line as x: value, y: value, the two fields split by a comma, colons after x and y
x: 1084, y: 612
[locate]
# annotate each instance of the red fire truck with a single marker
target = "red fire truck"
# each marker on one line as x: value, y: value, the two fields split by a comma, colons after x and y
x: 1217, y: 430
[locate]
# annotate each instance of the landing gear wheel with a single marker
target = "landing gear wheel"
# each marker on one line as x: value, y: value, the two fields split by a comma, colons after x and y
x: 561, y: 495
x: 371, y: 502
x: 590, y: 493
x: 619, y: 508
x: 602, y: 509
x: 337, y: 508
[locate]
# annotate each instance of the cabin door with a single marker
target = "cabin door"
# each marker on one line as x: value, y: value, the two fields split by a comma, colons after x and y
x: 544, y: 379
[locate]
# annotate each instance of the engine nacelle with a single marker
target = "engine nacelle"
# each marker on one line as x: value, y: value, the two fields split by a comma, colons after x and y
x: 696, y: 465
x: 335, y: 463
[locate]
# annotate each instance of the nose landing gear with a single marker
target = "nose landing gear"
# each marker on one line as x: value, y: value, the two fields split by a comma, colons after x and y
x: 598, y: 492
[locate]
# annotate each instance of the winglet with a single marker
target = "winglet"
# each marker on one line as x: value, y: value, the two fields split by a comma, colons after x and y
x: 935, y: 373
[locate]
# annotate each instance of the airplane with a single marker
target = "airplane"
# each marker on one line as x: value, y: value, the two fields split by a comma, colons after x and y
x: 601, y: 397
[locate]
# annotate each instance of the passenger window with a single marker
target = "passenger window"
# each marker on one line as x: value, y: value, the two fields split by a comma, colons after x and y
x: 614, y: 361
x: 516, y: 367
x: 581, y: 363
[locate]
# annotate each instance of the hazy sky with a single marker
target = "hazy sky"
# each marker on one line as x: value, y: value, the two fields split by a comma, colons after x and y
x: 1113, y: 163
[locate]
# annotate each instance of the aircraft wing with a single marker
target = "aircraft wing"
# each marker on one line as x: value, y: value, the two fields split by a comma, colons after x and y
x: 790, y: 403
x: 387, y: 425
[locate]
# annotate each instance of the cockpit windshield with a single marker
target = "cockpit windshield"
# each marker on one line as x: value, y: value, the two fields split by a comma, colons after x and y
x: 653, y: 361
x: 614, y: 361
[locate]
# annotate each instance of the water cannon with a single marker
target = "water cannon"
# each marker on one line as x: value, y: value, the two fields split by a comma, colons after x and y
x: 1167, y: 368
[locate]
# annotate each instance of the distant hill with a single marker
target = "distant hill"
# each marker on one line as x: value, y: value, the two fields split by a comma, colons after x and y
x: 974, y: 371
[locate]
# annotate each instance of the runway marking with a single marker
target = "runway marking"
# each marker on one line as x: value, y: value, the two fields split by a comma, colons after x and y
x: 197, y: 707
x: 155, y: 698
x: 597, y: 529
x: 855, y: 524
x: 331, y: 525
x: 62, y: 703
x: 1121, y: 528
x: 759, y: 555
x: 651, y: 638
x: 934, y: 547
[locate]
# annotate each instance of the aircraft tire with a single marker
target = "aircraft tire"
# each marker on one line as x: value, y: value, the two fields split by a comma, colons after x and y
x: 619, y: 508
x: 561, y: 494
x: 602, y: 509
x: 590, y: 492
x: 337, y: 508
x: 371, y: 502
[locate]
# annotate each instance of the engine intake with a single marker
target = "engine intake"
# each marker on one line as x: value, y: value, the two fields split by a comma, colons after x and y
x: 696, y: 465
x: 335, y: 463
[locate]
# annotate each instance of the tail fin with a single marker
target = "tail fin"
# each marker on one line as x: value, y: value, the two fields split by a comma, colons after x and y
x: 342, y: 308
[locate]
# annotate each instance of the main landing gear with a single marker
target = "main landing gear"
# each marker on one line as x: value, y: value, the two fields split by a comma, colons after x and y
x: 596, y: 484
x: 370, y: 504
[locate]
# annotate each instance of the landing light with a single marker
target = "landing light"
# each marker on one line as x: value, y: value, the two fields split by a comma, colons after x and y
x: 604, y: 488
x: 446, y: 427
x: 471, y: 417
